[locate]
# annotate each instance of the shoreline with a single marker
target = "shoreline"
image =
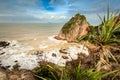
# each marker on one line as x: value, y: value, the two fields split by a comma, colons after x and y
x: 28, y: 57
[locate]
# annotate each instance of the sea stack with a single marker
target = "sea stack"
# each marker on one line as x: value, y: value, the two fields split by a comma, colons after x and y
x: 75, y: 28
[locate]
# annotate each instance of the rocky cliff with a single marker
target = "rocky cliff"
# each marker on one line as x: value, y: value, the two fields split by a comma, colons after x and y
x: 75, y: 28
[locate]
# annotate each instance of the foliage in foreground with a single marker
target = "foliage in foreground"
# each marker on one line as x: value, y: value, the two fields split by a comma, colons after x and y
x: 105, y: 35
x: 107, y: 32
x: 49, y: 72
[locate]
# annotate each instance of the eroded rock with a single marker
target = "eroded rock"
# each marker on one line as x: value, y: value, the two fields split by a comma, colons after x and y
x: 75, y: 28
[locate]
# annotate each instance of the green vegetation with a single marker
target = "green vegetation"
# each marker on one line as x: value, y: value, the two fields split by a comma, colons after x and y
x: 71, y: 23
x: 50, y: 72
x: 105, y: 35
x: 107, y: 32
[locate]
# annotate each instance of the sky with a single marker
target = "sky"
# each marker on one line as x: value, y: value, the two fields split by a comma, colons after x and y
x: 53, y: 11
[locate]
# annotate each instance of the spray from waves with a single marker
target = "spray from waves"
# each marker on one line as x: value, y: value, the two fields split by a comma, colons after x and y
x: 55, y: 51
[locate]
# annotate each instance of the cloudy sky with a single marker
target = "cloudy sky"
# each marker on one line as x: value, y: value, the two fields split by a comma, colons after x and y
x: 53, y: 11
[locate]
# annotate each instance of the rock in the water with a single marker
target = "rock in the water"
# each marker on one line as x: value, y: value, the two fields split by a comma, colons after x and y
x: 4, y: 44
x: 75, y: 28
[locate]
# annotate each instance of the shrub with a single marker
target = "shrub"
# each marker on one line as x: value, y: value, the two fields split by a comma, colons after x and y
x: 48, y: 72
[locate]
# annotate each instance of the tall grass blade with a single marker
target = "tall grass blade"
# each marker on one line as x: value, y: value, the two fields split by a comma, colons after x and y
x: 40, y: 77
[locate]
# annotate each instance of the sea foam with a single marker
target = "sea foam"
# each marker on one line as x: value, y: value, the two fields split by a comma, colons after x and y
x: 19, y: 54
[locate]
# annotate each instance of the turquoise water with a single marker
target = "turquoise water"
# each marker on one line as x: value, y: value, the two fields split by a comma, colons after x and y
x: 21, y: 31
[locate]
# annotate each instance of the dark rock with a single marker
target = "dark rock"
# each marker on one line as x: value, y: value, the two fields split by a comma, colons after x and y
x: 16, y: 67
x: 65, y: 57
x: 54, y: 55
x: 4, y: 44
x: 63, y: 51
x: 15, y: 61
x: 39, y: 53
x: 2, y: 53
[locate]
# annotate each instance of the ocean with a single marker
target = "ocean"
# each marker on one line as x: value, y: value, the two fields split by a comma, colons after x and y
x: 31, y: 43
x: 25, y: 31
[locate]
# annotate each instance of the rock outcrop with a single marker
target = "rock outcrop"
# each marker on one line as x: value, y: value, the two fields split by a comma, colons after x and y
x: 75, y: 28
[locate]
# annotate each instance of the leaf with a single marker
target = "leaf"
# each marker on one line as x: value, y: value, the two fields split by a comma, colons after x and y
x: 40, y: 77
x: 106, y: 74
x: 64, y: 75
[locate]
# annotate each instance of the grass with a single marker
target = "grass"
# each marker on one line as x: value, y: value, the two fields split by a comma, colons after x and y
x: 107, y: 32
x: 105, y: 35
x: 49, y: 72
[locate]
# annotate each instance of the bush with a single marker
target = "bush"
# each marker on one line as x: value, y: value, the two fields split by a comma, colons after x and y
x: 48, y: 72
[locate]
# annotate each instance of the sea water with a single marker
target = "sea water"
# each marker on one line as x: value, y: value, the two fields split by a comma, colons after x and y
x: 26, y: 39
x: 23, y: 31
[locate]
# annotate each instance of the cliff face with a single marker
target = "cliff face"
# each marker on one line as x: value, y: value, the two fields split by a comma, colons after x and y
x: 75, y: 28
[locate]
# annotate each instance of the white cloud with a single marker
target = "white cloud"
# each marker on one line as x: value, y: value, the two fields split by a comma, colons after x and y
x: 62, y: 9
x: 58, y: 17
x: 6, y: 15
x: 49, y: 16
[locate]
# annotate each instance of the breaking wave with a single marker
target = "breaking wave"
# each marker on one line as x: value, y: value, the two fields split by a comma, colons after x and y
x: 51, y: 50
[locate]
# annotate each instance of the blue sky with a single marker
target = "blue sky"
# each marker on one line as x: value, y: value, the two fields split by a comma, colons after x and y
x: 53, y: 11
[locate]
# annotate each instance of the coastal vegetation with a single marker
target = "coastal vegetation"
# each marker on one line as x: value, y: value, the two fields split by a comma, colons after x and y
x: 106, y: 38
x: 101, y: 63
x: 70, y: 24
x: 52, y: 72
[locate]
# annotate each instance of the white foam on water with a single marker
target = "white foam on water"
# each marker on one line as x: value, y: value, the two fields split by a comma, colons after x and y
x: 72, y: 53
x: 50, y: 42
x: 24, y: 60
x: 48, y: 56
x: 52, y: 38
x: 43, y: 45
x: 17, y: 52
x: 20, y: 53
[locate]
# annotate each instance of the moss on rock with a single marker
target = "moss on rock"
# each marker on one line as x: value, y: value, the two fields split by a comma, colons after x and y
x: 70, y: 24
